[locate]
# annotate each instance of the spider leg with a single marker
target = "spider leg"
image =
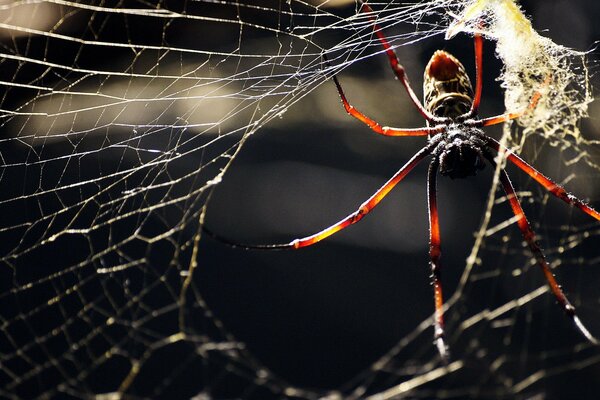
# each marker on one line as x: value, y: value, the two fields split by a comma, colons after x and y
x: 498, y: 119
x: 547, y: 183
x: 375, y: 126
x: 435, y: 253
x: 529, y: 237
x: 513, y: 115
x: 478, y: 42
x: 351, y: 219
x: 396, y: 66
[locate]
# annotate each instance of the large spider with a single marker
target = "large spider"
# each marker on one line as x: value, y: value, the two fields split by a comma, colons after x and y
x: 459, y: 148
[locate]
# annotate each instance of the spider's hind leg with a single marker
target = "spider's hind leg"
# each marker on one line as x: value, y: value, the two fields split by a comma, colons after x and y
x: 435, y: 254
x: 529, y: 237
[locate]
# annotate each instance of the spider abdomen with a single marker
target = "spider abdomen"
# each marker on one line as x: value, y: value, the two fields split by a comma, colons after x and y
x: 446, y: 86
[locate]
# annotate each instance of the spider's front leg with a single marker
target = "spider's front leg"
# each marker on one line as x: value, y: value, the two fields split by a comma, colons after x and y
x: 398, y: 69
x: 435, y: 253
x: 401, y: 75
x: 374, y: 125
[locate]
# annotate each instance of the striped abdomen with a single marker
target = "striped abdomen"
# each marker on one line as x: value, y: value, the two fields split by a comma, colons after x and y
x: 446, y: 86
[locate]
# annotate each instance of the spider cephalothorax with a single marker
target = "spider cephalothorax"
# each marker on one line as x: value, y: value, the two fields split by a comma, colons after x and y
x: 459, y: 148
x: 459, y: 151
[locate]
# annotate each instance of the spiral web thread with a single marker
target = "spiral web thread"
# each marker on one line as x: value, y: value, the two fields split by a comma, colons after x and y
x: 119, y: 119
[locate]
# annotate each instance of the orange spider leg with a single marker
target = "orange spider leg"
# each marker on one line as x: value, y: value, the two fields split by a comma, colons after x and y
x: 435, y: 254
x: 546, y: 182
x: 365, y: 207
x: 533, y: 102
x: 351, y: 219
x: 513, y: 115
x: 478, y: 42
x: 529, y: 237
x: 375, y: 126
x: 396, y: 66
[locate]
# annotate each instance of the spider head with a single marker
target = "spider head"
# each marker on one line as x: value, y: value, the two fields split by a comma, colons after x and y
x: 460, y: 153
x: 447, y: 89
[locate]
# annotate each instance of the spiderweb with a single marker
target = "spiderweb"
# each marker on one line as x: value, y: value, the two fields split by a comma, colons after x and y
x: 125, y: 127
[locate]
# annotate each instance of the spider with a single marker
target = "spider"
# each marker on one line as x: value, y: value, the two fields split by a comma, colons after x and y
x: 459, y: 148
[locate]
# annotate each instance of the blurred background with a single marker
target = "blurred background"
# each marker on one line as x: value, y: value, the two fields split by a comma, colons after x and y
x: 125, y: 124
